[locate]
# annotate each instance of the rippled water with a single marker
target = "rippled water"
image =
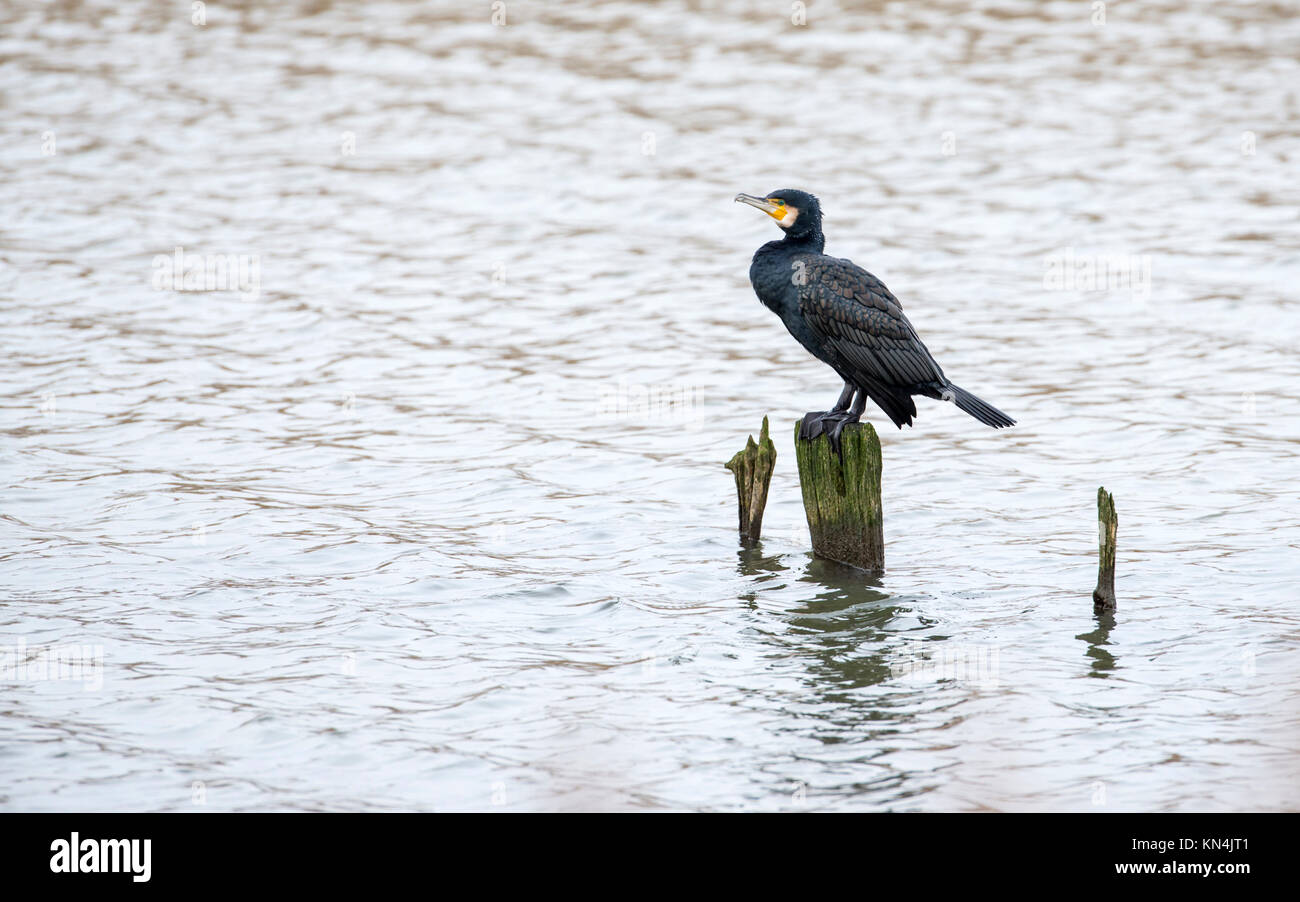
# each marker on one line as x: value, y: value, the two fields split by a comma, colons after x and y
x: 433, y: 515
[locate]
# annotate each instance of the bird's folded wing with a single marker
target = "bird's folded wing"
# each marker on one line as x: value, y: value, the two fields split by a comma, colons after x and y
x: 860, y: 320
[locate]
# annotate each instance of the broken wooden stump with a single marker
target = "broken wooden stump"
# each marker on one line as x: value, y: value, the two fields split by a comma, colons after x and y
x: 841, y: 496
x: 753, y: 468
x: 1103, y: 597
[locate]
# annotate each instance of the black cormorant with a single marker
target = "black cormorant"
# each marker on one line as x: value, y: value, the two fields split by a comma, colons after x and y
x: 848, y: 319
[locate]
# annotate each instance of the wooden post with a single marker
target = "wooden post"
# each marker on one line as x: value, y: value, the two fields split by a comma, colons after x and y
x: 753, y: 468
x: 1103, y: 597
x: 841, y: 496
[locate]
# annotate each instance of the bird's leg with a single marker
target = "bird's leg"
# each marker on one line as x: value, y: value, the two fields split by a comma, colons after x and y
x: 817, y: 422
x: 852, y: 416
x: 846, y: 398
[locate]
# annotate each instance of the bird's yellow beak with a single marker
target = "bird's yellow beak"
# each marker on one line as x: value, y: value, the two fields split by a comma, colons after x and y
x: 772, y: 206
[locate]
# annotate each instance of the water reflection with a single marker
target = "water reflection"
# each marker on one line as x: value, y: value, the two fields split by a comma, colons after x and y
x: 755, y: 562
x: 840, y: 625
x: 844, y: 630
x: 1103, y: 662
x: 384, y: 508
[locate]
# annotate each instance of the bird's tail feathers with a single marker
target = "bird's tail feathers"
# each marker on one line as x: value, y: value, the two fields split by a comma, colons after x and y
x: 898, y: 406
x: 981, y: 410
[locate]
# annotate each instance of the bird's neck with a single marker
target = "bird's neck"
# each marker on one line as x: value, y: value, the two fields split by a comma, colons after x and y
x: 810, y: 242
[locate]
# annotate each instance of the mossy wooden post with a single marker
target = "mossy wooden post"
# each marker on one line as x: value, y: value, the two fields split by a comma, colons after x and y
x: 842, y: 497
x: 1103, y: 597
x: 753, y: 468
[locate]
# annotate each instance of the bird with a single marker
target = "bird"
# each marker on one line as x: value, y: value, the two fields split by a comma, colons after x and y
x: 847, y: 318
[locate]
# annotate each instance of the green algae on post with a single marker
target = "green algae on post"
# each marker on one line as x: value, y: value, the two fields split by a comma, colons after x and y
x: 841, y: 496
x: 753, y: 468
x: 1103, y: 597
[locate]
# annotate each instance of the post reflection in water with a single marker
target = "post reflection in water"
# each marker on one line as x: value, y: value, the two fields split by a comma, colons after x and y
x: 1103, y: 662
x: 841, y: 627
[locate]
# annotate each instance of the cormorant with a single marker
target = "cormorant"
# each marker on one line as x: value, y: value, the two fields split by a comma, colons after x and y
x: 848, y: 319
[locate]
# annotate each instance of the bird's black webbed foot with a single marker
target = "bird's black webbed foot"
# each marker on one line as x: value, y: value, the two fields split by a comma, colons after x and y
x: 813, y: 425
x: 834, y: 434
x: 830, y: 423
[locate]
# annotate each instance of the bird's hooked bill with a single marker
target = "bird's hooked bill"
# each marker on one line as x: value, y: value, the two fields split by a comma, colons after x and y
x: 775, y: 210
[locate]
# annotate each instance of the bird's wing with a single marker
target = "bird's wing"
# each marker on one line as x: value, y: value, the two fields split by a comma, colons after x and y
x: 863, y: 323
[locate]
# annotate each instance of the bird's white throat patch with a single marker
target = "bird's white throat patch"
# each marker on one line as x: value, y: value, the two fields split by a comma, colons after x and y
x: 791, y: 214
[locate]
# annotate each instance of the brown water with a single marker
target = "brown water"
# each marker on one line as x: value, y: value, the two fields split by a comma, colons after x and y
x: 433, y: 514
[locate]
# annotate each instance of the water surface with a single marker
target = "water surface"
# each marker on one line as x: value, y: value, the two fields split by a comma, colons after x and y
x: 434, y: 515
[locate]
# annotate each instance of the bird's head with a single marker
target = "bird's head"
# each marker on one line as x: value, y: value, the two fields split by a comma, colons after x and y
x: 797, y: 212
